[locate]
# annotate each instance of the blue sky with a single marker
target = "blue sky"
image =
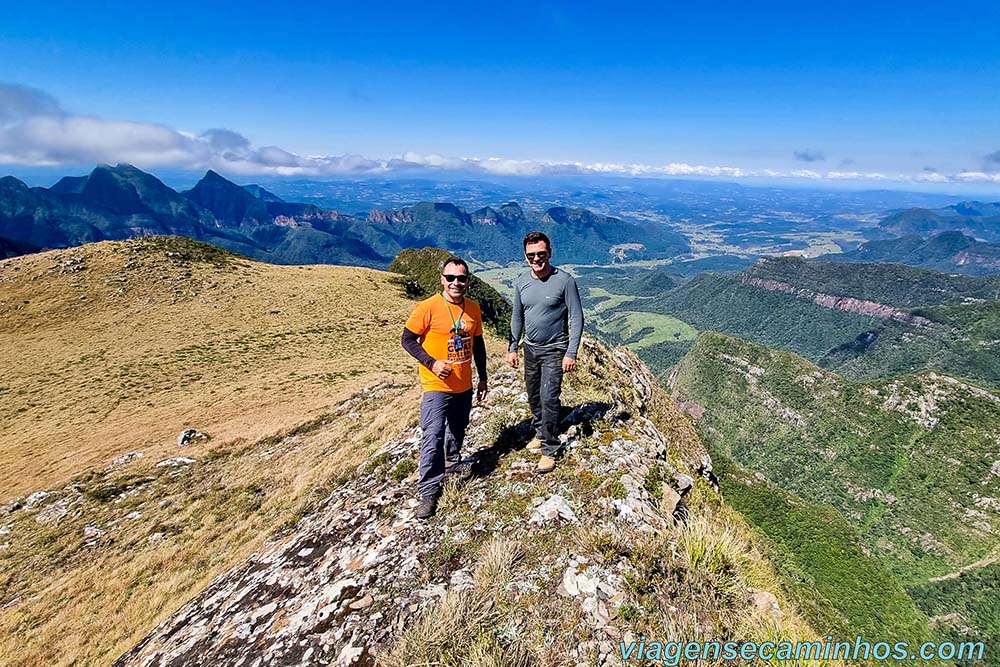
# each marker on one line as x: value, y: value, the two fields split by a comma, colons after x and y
x: 881, y: 89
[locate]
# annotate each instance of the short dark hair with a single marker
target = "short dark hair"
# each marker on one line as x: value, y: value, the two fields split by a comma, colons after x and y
x: 535, y: 237
x: 454, y: 260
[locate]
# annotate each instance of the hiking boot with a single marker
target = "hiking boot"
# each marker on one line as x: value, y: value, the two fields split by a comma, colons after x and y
x: 546, y: 464
x: 458, y: 468
x: 427, y: 507
x: 535, y: 445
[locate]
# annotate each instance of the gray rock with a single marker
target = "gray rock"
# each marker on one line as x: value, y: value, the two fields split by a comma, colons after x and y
x: 176, y: 462
x: 684, y: 482
x: 35, y: 498
x: 187, y: 436
x: 126, y: 458
x: 555, y: 508
x: 362, y: 603
x: 669, y: 499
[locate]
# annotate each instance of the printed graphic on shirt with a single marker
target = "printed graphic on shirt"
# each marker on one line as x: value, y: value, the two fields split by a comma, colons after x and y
x: 460, y: 344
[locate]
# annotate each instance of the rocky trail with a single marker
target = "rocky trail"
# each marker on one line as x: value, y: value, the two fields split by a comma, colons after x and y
x: 360, y: 572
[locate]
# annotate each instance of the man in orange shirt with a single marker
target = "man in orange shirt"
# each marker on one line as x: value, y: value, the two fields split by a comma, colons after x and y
x: 445, y: 334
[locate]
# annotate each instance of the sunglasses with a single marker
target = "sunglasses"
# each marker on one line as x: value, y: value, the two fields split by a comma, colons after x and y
x: 461, y: 278
x: 540, y: 255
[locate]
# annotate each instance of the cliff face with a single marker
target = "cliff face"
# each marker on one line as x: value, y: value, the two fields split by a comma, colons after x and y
x: 845, y: 303
x: 526, y: 568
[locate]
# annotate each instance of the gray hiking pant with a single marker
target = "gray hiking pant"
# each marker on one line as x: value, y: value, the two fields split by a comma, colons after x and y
x: 443, y: 418
x: 543, y: 376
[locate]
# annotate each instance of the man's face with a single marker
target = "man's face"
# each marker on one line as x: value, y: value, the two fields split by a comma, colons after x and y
x: 454, y: 280
x: 538, y: 255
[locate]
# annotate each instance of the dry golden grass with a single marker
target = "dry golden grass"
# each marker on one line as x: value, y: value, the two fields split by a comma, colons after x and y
x: 725, y: 567
x: 85, y: 605
x: 465, y: 627
x: 238, y: 350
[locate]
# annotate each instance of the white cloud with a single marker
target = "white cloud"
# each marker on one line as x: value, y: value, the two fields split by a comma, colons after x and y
x: 858, y: 176
x: 36, y: 130
x: 931, y: 177
x: 977, y: 177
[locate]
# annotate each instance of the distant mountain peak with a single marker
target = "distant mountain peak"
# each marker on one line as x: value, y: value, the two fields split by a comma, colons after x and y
x: 12, y: 182
x: 227, y: 200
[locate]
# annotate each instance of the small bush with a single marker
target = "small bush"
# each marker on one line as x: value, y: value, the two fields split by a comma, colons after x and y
x: 403, y: 469
x: 654, y: 481
x: 629, y: 612
x: 616, y: 490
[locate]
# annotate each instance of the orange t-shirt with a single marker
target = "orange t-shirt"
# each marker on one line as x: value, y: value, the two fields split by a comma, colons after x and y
x: 434, y: 320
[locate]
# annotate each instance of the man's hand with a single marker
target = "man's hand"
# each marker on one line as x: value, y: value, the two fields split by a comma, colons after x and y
x: 481, y: 391
x: 441, y: 369
x: 512, y: 359
x: 568, y: 364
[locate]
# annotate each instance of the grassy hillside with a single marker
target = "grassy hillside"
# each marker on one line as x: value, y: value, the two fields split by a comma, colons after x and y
x: 837, y: 583
x: 109, y: 350
x: 874, y: 450
x: 716, y: 302
x: 841, y: 317
x: 964, y: 608
x: 910, y: 464
x: 121, y: 345
x: 962, y: 341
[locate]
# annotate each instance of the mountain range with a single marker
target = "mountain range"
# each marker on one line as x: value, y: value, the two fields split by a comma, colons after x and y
x: 122, y: 202
x: 950, y: 251
x: 978, y: 219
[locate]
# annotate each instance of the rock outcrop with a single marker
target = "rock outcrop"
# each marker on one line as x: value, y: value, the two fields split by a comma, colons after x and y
x: 360, y: 572
x: 845, y: 303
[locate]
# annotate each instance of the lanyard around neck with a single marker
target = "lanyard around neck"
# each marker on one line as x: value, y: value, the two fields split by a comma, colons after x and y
x: 454, y: 322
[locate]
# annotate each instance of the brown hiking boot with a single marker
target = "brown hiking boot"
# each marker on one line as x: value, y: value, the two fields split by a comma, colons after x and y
x: 546, y: 464
x: 427, y: 507
x: 534, y: 445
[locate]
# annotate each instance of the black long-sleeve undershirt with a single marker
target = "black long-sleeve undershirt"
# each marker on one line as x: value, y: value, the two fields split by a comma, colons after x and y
x: 411, y: 343
x: 479, y: 356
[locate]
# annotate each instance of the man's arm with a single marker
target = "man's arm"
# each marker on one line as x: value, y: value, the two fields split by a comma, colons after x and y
x: 575, y: 309
x: 516, y: 321
x: 516, y: 328
x: 411, y: 343
x: 479, y: 356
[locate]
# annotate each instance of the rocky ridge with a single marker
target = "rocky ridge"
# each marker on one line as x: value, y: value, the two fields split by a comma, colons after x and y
x: 540, y: 561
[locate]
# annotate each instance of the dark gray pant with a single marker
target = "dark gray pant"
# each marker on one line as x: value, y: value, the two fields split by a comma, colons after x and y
x: 543, y: 376
x: 443, y: 418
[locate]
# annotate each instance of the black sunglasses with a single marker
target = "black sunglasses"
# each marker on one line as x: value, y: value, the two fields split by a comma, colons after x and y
x: 462, y: 277
x: 540, y: 255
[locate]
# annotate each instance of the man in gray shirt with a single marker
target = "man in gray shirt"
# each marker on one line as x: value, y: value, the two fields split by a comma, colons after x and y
x: 547, y: 312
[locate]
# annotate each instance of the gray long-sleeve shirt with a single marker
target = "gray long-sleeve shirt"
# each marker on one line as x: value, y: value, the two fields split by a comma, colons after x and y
x: 547, y: 312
